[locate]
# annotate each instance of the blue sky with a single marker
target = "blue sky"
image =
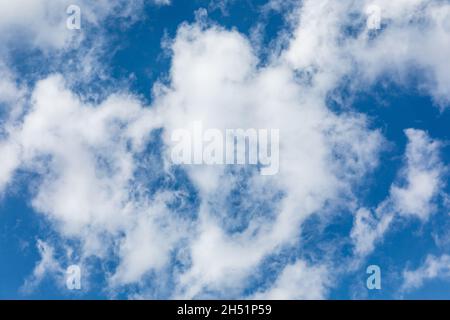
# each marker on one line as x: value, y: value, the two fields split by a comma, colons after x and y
x: 86, y: 178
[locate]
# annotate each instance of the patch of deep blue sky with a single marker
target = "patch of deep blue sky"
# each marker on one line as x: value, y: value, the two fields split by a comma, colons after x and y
x: 135, y: 54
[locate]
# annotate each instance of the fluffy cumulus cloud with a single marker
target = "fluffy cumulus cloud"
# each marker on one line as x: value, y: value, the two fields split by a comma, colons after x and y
x: 88, y: 162
x: 214, y: 79
x: 332, y: 35
x: 99, y: 184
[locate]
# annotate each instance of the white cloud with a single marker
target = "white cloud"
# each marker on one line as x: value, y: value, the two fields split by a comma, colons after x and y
x: 368, y: 229
x: 148, y: 243
x: 414, y: 37
x: 86, y: 155
x: 10, y: 161
x: 48, y: 265
x: 82, y: 152
x: 214, y: 79
x: 298, y: 281
x: 433, y: 268
x: 12, y: 93
x: 162, y: 2
x: 423, y: 177
x: 413, y: 194
x: 42, y: 23
x: 11, y: 106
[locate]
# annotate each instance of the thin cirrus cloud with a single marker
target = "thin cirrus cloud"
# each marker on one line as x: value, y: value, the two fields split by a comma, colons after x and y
x: 99, y: 187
